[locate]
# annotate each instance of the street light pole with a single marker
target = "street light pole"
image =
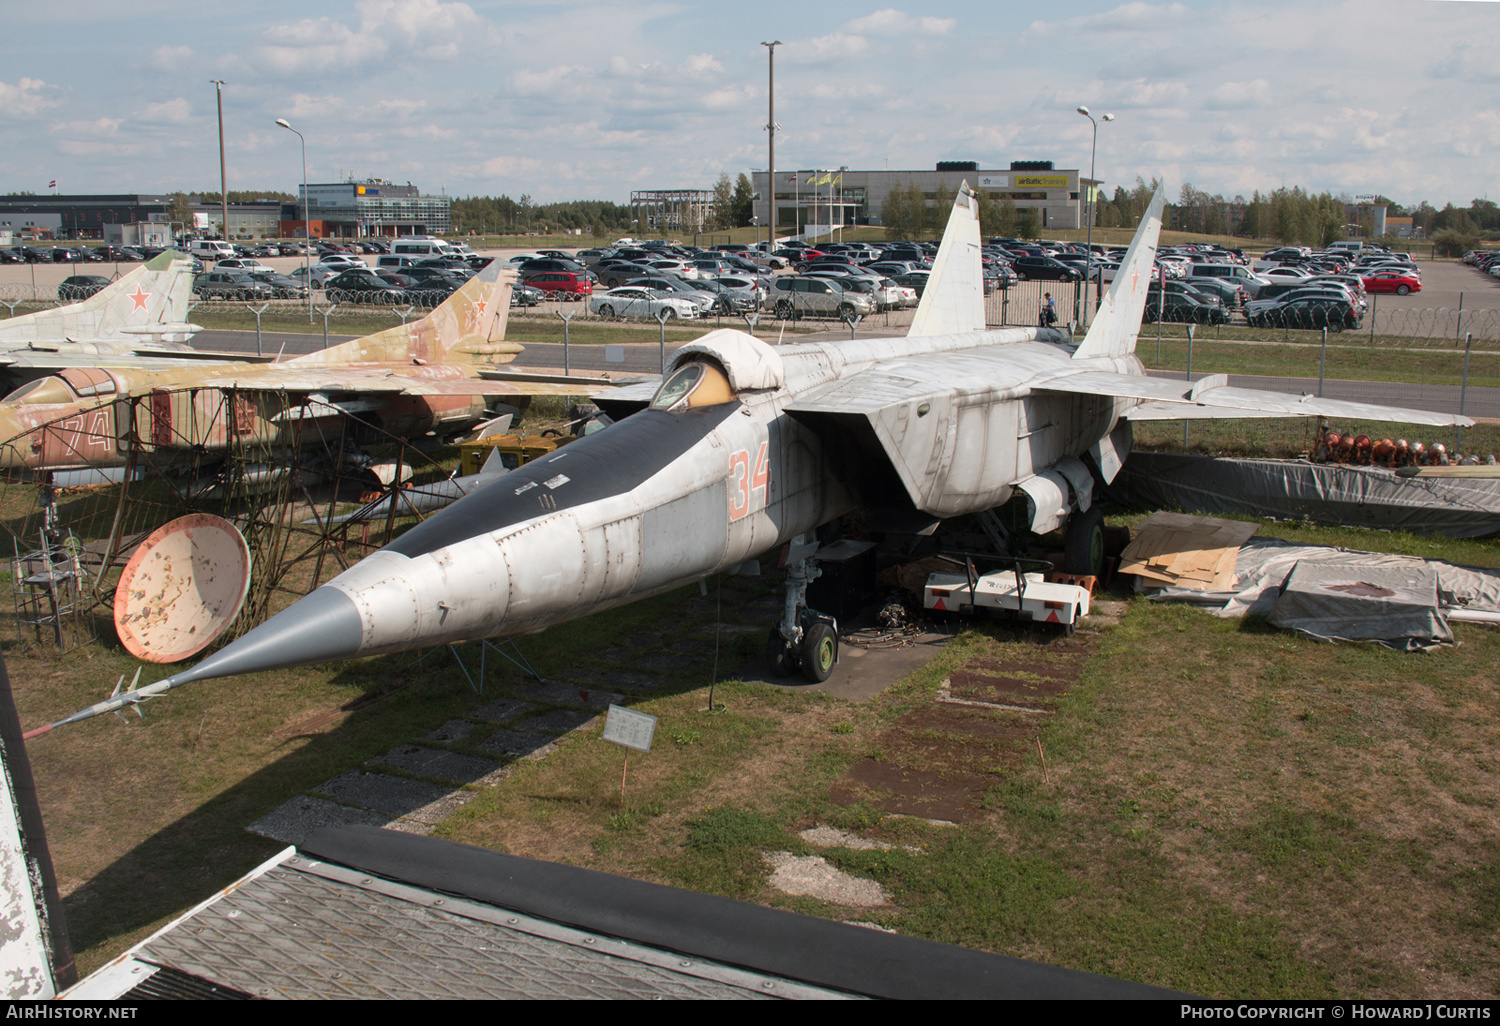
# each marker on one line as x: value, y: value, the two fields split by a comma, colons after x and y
x: 306, y: 221
x: 1093, y: 197
x: 771, y: 131
x: 218, y: 84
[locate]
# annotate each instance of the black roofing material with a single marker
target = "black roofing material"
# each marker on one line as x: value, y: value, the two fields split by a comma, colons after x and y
x: 815, y: 951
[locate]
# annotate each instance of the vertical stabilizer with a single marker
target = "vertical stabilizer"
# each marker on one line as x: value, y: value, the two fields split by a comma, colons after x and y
x: 468, y: 328
x: 1118, y: 319
x: 953, y: 301
x: 148, y: 304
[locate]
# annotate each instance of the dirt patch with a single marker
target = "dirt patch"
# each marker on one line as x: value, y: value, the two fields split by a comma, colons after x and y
x: 938, y: 761
x: 983, y: 687
x: 912, y: 792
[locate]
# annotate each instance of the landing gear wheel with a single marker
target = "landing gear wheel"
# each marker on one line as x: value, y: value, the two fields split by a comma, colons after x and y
x: 779, y: 654
x: 1083, y: 543
x: 820, y: 650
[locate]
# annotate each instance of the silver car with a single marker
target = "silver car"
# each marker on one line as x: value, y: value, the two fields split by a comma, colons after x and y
x: 794, y: 296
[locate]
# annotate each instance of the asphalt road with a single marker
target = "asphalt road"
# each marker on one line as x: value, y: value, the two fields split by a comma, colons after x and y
x: 645, y: 358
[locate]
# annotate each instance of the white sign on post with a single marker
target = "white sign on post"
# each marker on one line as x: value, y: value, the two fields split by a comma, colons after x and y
x: 629, y: 728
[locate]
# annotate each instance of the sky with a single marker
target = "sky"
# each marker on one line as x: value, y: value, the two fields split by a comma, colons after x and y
x: 564, y: 101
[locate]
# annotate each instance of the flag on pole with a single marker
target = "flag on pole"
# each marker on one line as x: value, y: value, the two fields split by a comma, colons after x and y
x: 53, y: 184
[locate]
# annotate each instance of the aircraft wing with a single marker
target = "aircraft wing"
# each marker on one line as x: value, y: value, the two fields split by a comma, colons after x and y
x: 385, y: 381
x: 1195, y: 400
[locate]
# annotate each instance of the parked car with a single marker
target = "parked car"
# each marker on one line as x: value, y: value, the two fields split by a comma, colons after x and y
x: 358, y: 285
x: 1400, y: 282
x: 1310, y: 312
x: 794, y: 296
x: 643, y: 303
x: 1184, y: 306
x: 1045, y: 269
x: 231, y: 285
x: 561, y: 284
x: 80, y: 286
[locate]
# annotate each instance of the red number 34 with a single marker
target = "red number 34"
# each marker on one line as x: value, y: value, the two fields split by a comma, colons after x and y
x: 744, y: 482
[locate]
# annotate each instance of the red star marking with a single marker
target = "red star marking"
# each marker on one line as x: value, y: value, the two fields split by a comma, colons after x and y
x: 481, y: 305
x: 139, y: 298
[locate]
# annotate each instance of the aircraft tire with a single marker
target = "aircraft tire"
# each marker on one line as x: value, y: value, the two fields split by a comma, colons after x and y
x: 820, y: 651
x: 1083, y: 543
x: 779, y: 654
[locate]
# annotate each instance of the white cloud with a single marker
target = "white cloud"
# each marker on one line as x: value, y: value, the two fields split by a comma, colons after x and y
x: 891, y: 22
x: 1237, y: 95
x: 1136, y: 17
x: 835, y: 46
x: 173, y: 112
x: 171, y: 58
x: 399, y: 31
x: 28, y: 96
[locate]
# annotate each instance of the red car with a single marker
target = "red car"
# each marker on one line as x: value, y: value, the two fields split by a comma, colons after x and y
x: 560, y: 284
x: 1392, y: 281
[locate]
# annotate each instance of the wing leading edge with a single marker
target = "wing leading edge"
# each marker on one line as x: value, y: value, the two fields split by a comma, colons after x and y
x: 1212, y: 397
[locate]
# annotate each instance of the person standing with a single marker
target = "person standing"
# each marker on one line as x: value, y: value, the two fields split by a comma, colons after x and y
x: 1049, y: 311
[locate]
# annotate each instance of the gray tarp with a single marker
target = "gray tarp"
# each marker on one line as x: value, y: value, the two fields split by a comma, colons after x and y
x: 1264, y: 565
x: 1322, y: 492
x: 1396, y: 606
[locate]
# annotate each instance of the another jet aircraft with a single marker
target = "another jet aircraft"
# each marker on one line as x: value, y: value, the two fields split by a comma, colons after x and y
x: 746, y: 448
x: 434, y: 376
x: 140, y: 319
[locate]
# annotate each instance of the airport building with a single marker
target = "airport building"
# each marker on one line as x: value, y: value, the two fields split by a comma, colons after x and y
x: 849, y: 197
x: 372, y: 207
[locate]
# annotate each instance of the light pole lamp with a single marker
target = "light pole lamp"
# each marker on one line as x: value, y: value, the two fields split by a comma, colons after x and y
x: 306, y: 221
x: 1093, y: 191
x: 218, y: 84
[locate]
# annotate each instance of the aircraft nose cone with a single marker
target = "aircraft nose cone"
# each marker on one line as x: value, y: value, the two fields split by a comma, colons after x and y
x: 323, y: 626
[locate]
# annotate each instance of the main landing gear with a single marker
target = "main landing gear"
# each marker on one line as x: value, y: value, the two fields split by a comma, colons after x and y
x: 805, y: 639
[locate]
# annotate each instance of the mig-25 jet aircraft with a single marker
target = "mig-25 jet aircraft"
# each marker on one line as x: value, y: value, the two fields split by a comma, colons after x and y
x: 745, y: 448
x: 436, y: 376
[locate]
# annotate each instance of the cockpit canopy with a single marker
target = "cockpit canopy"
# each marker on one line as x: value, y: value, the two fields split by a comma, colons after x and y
x: 701, y: 382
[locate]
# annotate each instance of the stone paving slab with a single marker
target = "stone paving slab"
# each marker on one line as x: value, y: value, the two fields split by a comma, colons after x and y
x: 453, y: 730
x: 627, y: 680
x: 557, y: 693
x: 555, y: 721
x: 291, y: 822
x: 521, y: 743
x: 439, y: 765
x: 422, y: 820
x: 394, y: 796
x: 503, y: 709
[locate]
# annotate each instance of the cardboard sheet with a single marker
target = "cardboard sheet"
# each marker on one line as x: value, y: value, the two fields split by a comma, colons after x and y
x: 1186, y: 551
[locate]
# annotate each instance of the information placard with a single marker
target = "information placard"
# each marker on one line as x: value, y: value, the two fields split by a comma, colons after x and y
x: 629, y: 728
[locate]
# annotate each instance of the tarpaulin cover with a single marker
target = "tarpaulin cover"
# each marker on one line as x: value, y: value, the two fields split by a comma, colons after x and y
x: 1395, y: 606
x: 1264, y: 565
x: 1323, y: 492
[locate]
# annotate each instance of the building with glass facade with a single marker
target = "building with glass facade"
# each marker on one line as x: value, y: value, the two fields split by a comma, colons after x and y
x: 375, y: 207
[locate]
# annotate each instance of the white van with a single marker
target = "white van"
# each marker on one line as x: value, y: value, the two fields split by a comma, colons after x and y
x: 391, y: 262
x: 210, y: 250
x: 420, y: 247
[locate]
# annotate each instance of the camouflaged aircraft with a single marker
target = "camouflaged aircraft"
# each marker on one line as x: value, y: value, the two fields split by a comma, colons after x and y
x: 140, y: 320
x: 438, y: 376
x: 744, y: 449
